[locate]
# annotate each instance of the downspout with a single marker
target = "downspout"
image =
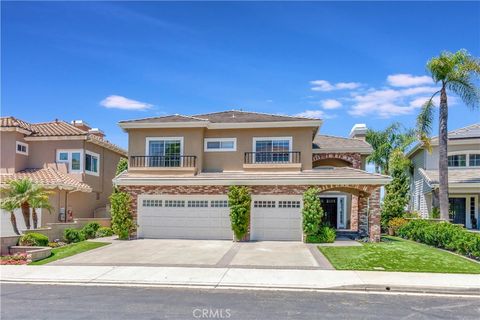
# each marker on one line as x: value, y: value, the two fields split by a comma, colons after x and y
x: 66, y: 206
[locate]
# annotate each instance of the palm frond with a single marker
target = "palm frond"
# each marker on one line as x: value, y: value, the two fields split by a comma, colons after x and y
x: 466, y: 90
x: 424, y: 123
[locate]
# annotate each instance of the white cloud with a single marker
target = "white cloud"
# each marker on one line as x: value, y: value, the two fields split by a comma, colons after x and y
x: 330, y: 104
x: 318, y: 114
x: 408, y: 80
x: 119, y: 102
x: 324, y: 85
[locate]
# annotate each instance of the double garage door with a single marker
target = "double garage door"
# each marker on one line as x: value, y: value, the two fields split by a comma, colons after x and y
x: 207, y: 217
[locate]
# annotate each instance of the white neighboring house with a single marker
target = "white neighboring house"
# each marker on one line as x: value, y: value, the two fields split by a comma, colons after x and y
x: 463, y: 177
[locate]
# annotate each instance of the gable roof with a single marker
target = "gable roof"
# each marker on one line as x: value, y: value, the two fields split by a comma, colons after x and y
x: 326, y: 143
x: 223, y: 119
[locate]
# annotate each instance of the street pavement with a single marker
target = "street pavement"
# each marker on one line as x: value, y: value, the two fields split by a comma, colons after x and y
x: 27, y: 301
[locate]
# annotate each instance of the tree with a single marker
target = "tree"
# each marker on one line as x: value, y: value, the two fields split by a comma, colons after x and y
x: 39, y: 200
x: 121, y: 166
x: 456, y: 73
x: 10, y: 205
x: 239, y: 201
x: 23, y: 191
x: 312, y: 212
x: 122, y: 220
x: 384, y: 142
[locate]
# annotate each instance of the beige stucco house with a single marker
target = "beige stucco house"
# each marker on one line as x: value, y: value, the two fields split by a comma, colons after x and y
x: 180, y: 169
x: 73, y: 160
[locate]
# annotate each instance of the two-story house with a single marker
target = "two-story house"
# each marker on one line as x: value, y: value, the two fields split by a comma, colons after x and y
x: 180, y: 169
x: 463, y: 176
x: 72, y: 159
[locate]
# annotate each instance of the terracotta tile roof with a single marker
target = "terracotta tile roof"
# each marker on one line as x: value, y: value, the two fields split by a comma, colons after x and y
x: 48, y: 178
x: 56, y: 128
x: 12, y: 122
x: 232, y: 116
x: 326, y: 143
x: 454, y: 176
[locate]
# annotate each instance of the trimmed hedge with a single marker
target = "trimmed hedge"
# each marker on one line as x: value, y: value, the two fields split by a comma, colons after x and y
x: 104, y: 232
x: 90, y: 229
x: 33, y: 239
x: 442, y: 235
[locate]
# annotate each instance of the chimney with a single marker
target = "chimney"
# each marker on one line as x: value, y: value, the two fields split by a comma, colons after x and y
x: 359, y: 131
x: 80, y: 124
x: 97, y: 132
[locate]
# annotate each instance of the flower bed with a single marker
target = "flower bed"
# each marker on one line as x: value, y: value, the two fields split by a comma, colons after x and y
x: 16, y: 259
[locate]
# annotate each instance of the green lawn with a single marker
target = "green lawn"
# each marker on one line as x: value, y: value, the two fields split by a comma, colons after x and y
x: 70, y: 250
x: 396, y: 254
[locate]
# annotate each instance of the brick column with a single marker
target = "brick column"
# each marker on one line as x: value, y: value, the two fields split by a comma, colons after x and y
x: 362, y: 216
x: 354, y: 214
x: 374, y: 216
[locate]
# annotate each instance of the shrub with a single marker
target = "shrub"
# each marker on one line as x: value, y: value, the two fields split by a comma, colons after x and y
x: 325, y: 234
x: 16, y: 259
x: 122, y: 220
x: 396, y: 223
x: 435, y: 213
x: 312, y: 212
x: 90, y: 229
x: 443, y: 235
x: 73, y: 235
x: 56, y: 244
x: 239, y: 201
x: 121, y: 166
x: 33, y: 239
x: 104, y: 232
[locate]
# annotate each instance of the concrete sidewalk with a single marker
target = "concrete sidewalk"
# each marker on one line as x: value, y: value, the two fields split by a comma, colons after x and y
x: 246, y: 278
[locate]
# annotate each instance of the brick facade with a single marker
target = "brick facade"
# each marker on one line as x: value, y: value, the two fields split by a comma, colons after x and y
x: 355, y: 159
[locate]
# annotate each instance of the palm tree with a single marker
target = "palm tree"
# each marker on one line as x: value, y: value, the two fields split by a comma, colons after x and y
x: 385, y: 142
x: 10, y: 205
x: 22, y: 191
x: 39, y: 201
x: 454, y: 71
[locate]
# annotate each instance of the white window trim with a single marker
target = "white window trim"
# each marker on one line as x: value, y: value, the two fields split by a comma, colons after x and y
x: 290, y: 144
x: 207, y: 140
x: 23, y: 144
x: 69, y: 161
x: 93, y: 173
x: 468, y: 220
x: 148, y: 139
x: 467, y: 154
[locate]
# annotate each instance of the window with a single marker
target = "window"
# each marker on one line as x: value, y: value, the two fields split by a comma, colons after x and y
x: 174, y: 203
x: 474, y: 160
x: 289, y: 204
x: 22, y: 148
x: 164, y: 152
x: 197, y: 203
x: 152, y: 203
x: 219, y: 203
x: 220, y: 144
x: 73, y: 159
x: 92, y: 162
x: 272, y: 149
x: 264, y: 204
x: 457, y: 160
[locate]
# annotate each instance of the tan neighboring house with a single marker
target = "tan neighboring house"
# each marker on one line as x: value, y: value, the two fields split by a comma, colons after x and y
x: 180, y: 169
x: 463, y: 177
x: 73, y: 160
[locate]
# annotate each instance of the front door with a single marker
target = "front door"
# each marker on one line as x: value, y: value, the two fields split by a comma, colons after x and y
x: 329, y: 206
x: 457, y: 210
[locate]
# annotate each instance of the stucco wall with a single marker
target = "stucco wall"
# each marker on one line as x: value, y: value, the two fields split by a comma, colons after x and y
x: 10, y: 160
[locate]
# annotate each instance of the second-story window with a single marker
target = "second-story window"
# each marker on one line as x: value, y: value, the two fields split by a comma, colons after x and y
x: 164, y: 152
x: 474, y: 160
x: 73, y: 159
x: 457, y: 160
x: 272, y: 149
x: 22, y: 148
x: 220, y: 144
x: 92, y: 161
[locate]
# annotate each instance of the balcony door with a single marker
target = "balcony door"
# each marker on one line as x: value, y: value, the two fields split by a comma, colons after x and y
x: 164, y: 152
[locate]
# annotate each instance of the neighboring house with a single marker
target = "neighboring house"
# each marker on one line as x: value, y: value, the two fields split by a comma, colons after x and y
x: 463, y: 176
x: 73, y: 160
x: 180, y: 169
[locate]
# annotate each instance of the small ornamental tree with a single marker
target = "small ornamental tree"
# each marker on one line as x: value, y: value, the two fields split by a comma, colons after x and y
x: 239, y: 201
x: 122, y: 220
x: 121, y: 166
x: 312, y: 212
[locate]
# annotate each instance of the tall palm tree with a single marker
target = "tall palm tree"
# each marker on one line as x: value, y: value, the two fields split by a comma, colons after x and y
x: 10, y: 205
x: 22, y: 191
x: 456, y: 73
x: 39, y: 201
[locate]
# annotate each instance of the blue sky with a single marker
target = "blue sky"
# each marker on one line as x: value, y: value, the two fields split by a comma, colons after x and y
x: 360, y: 62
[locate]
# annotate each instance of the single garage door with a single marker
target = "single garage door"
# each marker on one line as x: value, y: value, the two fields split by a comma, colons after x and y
x: 276, y: 218
x: 184, y: 217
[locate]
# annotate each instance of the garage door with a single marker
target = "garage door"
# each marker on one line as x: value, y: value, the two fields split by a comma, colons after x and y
x: 181, y: 217
x: 276, y: 218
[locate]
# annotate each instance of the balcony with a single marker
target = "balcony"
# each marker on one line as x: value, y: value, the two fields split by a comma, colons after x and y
x: 170, y: 163
x: 284, y: 160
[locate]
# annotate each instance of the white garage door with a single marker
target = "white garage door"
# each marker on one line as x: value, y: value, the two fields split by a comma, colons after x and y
x: 184, y: 217
x: 276, y: 218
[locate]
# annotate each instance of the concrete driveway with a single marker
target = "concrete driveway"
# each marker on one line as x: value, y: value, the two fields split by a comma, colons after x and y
x: 203, y: 253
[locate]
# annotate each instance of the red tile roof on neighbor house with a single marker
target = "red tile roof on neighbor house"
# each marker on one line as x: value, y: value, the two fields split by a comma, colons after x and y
x: 49, y: 178
x: 57, y: 128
